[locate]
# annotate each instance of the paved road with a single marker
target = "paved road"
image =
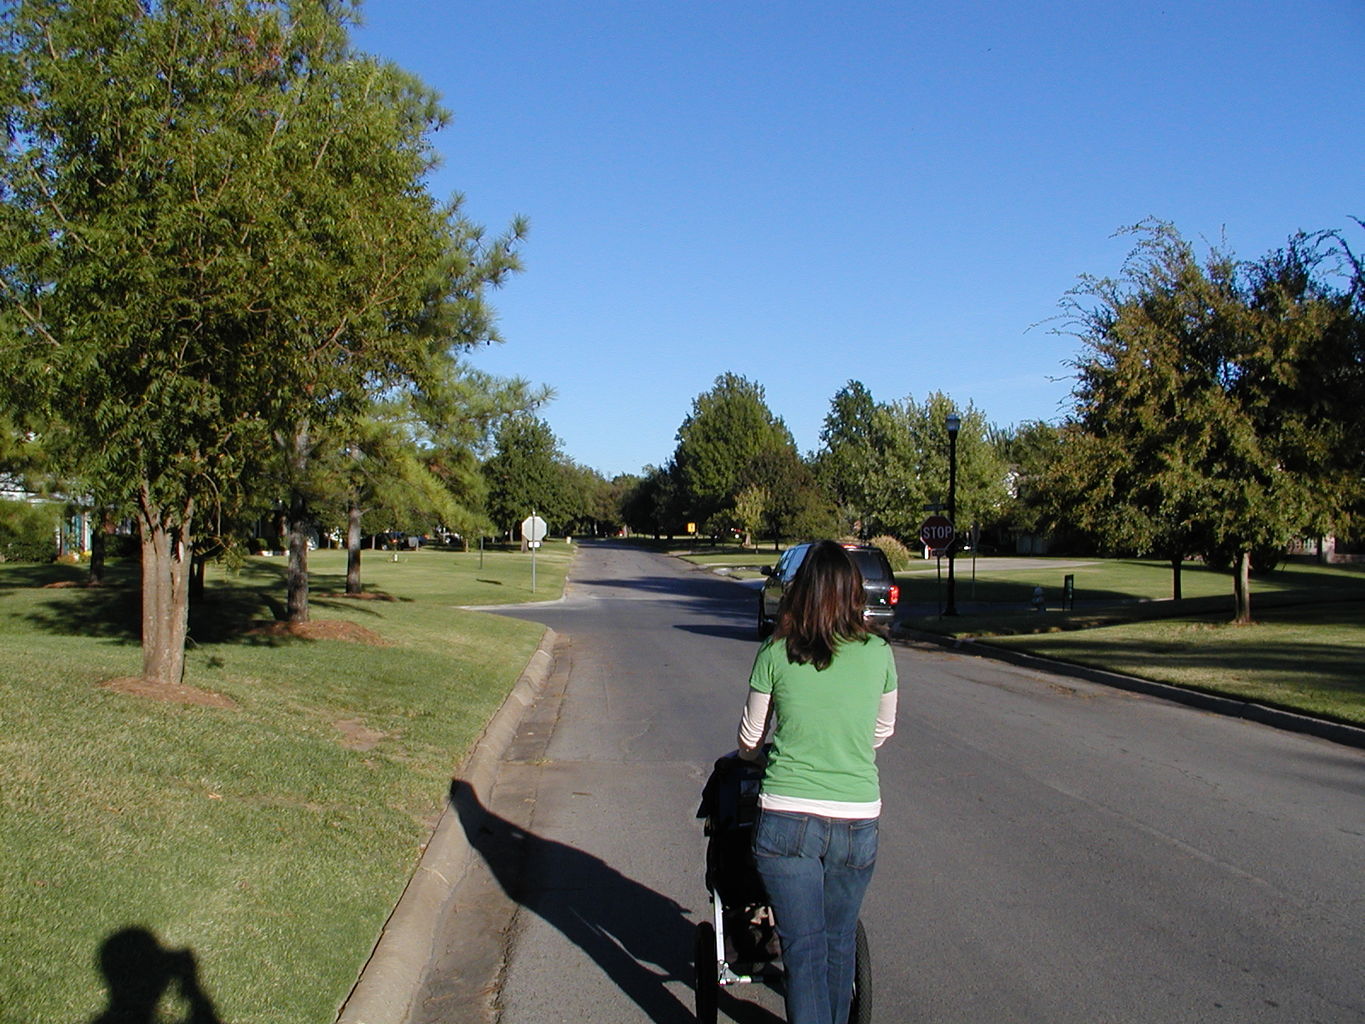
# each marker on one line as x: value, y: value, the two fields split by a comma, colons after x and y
x: 1053, y: 851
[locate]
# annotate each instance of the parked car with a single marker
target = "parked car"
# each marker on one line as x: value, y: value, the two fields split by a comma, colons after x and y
x: 879, y: 585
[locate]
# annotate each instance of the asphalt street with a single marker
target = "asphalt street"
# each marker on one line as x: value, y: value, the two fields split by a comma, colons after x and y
x: 1052, y: 850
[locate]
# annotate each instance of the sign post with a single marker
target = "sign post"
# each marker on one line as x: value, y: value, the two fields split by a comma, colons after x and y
x: 937, y: 534
x: 533, y: 532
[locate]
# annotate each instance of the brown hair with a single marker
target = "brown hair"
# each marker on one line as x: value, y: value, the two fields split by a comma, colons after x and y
x: 823, y: 608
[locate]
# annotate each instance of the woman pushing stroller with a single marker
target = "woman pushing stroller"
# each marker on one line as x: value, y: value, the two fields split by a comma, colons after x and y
x: 828, y: 686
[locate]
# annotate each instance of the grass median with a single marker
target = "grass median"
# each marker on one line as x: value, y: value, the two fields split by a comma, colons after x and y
x: 262, y: 834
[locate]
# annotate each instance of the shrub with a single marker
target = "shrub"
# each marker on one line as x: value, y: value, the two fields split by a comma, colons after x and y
x: 896, y: 553
x: 27, y: 532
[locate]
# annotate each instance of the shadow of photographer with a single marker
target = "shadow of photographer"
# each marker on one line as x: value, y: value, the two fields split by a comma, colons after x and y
x: 141, y: 973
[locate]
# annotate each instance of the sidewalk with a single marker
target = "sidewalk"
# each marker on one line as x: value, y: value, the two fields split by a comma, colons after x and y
x: 450, y: 869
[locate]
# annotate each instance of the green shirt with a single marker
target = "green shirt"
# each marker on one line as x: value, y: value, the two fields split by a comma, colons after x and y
x: 822, y: 742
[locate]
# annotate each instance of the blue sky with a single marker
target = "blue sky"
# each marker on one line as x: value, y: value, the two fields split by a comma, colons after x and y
x: 806, y: 193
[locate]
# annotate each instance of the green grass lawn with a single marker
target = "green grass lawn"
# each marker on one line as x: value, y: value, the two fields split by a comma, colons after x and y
x: 270, y: 838
x: 1305, y: 652
x: 1308, y: 658
x: 1108, y: 581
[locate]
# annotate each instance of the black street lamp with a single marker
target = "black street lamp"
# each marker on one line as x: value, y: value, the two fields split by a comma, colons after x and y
x: 954, y: 424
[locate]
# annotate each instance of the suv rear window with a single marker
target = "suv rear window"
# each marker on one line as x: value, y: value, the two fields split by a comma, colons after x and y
x: 870, y: 564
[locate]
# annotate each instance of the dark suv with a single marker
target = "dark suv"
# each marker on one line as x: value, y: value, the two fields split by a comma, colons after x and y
x: 879, y: 585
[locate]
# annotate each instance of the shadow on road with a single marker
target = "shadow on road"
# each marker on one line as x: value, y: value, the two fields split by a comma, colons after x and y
x: 640, y: 939
x: 723, y: 632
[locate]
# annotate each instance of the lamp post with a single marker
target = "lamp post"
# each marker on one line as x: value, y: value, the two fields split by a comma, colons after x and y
x: 954, y: 424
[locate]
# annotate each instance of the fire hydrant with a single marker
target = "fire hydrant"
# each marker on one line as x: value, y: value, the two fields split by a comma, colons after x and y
x: 1037, y: 602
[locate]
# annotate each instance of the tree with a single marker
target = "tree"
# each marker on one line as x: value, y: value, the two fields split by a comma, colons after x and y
x: 652, y: 505
x: 751, y: 507
x: 524, y: 475
x: 729, y: 425
x: 982, y: 477
x: 852, y: 455
x: 593, y: 502
x: 1037, y: 503
x: 1192, y: 428
x: 119, y: 191
x: 380, y: 473
x: 217, y: 239
x: 410, y: 461
x: 884, y: 461
x: 796, y: 505
x: 405, y: 281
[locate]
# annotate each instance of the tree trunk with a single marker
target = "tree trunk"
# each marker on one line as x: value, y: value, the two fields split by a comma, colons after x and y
x: 297, y: 578
x: 297, y: 605
x: 1176, y: 561
x: 98, y: 550
x: 165, y: 590
x: 1241, y: 588
x: 353, y: 585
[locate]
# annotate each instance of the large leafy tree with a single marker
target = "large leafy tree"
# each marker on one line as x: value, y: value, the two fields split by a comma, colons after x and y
x: 405, y: 278
x: 217, y: 239
x: 885, y: 461
x: 982, y: 476
x: 1199, y: 403
x: 854, y: 447
x: 125, y: 217
x: 794, y: 503
x: 410, y: 460
x: 652, y: 504
x: 1036, y: 505
x: 728, y: 428
x: 525, y: 475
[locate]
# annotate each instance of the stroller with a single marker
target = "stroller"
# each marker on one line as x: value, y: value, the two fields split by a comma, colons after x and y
x: 739, y: 944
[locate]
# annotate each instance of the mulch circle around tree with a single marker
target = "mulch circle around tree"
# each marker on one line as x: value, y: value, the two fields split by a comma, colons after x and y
x: 172, y: 693
x: 331, y: 629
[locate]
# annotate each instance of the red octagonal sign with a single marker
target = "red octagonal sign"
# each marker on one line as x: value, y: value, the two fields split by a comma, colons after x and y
x: 937, y: 532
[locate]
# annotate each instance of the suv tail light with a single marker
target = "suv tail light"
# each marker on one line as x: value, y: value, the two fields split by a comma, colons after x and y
x: 893, y: 595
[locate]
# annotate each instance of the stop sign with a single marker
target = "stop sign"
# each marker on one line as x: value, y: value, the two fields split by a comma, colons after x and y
x: 937, y: 532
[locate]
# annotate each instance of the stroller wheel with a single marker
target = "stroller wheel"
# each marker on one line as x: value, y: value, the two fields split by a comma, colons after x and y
x: 860, y: 1010
x: 706, y: 973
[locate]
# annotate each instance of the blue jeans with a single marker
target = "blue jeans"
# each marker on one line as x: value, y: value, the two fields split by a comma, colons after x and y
x: 816, y: 871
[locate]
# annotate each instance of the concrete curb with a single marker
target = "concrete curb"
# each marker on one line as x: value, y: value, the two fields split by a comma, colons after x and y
x: 1337, y: 732
x: 389, y: 981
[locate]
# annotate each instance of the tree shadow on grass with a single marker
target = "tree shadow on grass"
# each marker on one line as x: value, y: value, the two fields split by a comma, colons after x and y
x: 109, y: 613
x: 1327, y: 668
x: 116, y: 614
x: 228, y: 612
x: 620, y: 924
x: 142, y: 975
